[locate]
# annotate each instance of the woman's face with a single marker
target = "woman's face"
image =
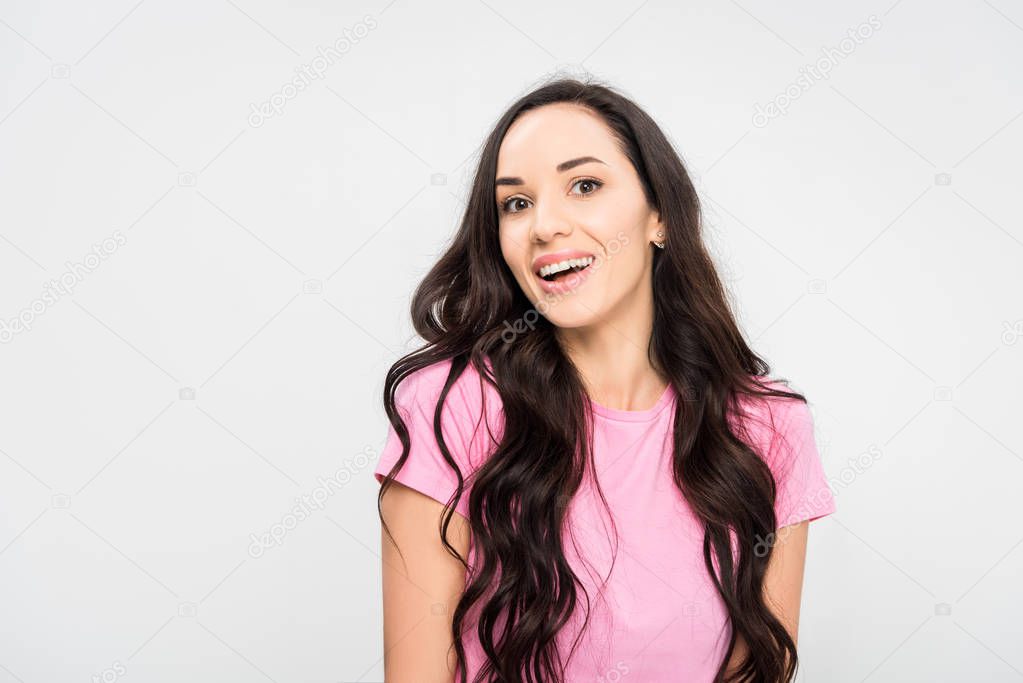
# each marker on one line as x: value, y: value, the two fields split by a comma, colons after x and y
x: 565, y: 192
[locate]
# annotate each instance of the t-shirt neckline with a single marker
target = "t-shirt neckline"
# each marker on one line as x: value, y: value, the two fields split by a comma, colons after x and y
x: 635, y: 415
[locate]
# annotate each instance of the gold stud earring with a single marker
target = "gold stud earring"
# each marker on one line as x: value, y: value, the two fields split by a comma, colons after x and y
x: 660, y: 245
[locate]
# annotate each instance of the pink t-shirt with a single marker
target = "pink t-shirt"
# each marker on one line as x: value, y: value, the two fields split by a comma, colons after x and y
x: 659, y: 617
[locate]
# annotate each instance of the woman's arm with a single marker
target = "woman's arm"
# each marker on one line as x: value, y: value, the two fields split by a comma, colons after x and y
x: 421, y: 591
x: 783, y: 583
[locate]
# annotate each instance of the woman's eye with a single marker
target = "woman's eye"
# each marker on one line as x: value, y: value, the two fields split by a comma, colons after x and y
x: 507, y: 205
x: 588, y: 181
x: 510, y: 202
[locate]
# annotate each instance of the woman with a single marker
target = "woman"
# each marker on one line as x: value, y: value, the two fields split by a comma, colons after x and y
x: 589, y: 475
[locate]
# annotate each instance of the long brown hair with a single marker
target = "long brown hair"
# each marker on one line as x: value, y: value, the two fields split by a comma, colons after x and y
x: 518, y: 497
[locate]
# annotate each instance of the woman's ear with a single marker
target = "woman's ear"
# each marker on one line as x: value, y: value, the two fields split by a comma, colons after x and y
x: 656, y: 233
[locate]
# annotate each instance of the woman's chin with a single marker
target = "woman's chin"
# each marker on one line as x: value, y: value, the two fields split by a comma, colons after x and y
x: 567, y: 314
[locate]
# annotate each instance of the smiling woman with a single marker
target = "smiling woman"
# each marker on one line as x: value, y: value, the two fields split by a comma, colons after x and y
x: 621, y: 489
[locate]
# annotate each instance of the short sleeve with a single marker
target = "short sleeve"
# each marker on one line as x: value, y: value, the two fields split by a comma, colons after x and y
x: 425, y: 468
x: 803, y: 492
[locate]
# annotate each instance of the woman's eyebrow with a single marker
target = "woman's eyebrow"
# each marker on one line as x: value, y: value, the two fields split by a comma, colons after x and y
x: 561, y: 168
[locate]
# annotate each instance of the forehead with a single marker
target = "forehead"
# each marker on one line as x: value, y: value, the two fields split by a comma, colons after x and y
x: 542, y: 138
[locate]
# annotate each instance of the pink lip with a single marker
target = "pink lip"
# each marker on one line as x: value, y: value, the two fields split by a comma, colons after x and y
x: 570, y: 282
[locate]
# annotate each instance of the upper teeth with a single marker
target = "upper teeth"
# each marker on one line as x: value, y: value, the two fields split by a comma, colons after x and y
x: 565, y: 265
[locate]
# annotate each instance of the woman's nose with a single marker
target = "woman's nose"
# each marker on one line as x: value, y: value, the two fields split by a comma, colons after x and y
x: 550, y: 221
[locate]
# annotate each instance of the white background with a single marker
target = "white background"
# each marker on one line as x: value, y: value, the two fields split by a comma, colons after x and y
x: 231, y: 351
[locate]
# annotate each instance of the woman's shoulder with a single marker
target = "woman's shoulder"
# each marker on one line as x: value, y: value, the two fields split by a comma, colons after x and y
x: 472, y: 405
x: 470, y: 387
x: 783, y: 432
x: 770, y: 418
x: 772, y: 406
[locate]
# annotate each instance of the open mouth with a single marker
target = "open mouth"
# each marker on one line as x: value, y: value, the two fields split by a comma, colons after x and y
x: 563, y: 270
